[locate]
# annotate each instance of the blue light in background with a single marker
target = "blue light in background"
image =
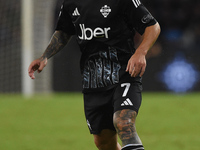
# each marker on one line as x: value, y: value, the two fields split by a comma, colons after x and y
x: 179, y: 75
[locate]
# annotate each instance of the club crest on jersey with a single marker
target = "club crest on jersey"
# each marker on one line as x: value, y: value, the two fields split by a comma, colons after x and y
x: 105, y: 10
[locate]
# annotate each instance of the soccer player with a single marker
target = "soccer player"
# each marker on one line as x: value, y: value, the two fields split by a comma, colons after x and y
x: 111, y: 67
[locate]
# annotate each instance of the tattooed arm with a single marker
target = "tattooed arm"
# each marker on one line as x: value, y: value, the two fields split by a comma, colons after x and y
x: 57, y: 42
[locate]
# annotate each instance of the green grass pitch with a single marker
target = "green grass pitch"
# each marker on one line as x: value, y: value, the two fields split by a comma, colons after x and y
x: 56, y: 122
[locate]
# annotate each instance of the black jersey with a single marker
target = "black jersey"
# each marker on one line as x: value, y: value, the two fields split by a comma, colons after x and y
x: 104, y: 31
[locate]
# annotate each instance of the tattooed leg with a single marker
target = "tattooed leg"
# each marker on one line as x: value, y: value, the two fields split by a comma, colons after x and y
x: 124, y: 121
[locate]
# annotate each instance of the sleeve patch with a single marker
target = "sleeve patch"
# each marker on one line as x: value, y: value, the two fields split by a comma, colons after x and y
x: 147, y: 18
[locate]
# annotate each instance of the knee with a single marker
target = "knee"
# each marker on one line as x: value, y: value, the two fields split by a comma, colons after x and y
x: 124, y: 120
x: 125, y: 128
x: 107, y: 145
x: 101, y: 144
x: 107, y: 140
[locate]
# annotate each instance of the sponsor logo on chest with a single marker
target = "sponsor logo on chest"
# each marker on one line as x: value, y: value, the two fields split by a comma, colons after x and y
x: 88, y: 33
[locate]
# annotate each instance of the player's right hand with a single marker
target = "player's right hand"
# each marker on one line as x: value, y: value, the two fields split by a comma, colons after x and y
x: 36, y: 65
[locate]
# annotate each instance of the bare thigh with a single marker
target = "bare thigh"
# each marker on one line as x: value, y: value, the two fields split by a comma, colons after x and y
x: 107, y: 140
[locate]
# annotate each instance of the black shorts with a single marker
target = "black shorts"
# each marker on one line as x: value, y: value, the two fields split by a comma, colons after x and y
x: 100, y: 106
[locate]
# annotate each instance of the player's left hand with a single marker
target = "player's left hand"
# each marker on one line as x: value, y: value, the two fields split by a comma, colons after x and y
x: 136, y: 65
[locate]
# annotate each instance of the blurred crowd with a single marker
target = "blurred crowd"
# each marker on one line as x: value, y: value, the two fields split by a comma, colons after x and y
x: 180, y: 24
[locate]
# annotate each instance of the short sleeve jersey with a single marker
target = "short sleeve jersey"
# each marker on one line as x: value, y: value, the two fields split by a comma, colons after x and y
x: 104, y: 31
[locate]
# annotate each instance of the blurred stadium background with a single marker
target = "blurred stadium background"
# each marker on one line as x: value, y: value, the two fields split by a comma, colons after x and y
x: 171, y: 81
